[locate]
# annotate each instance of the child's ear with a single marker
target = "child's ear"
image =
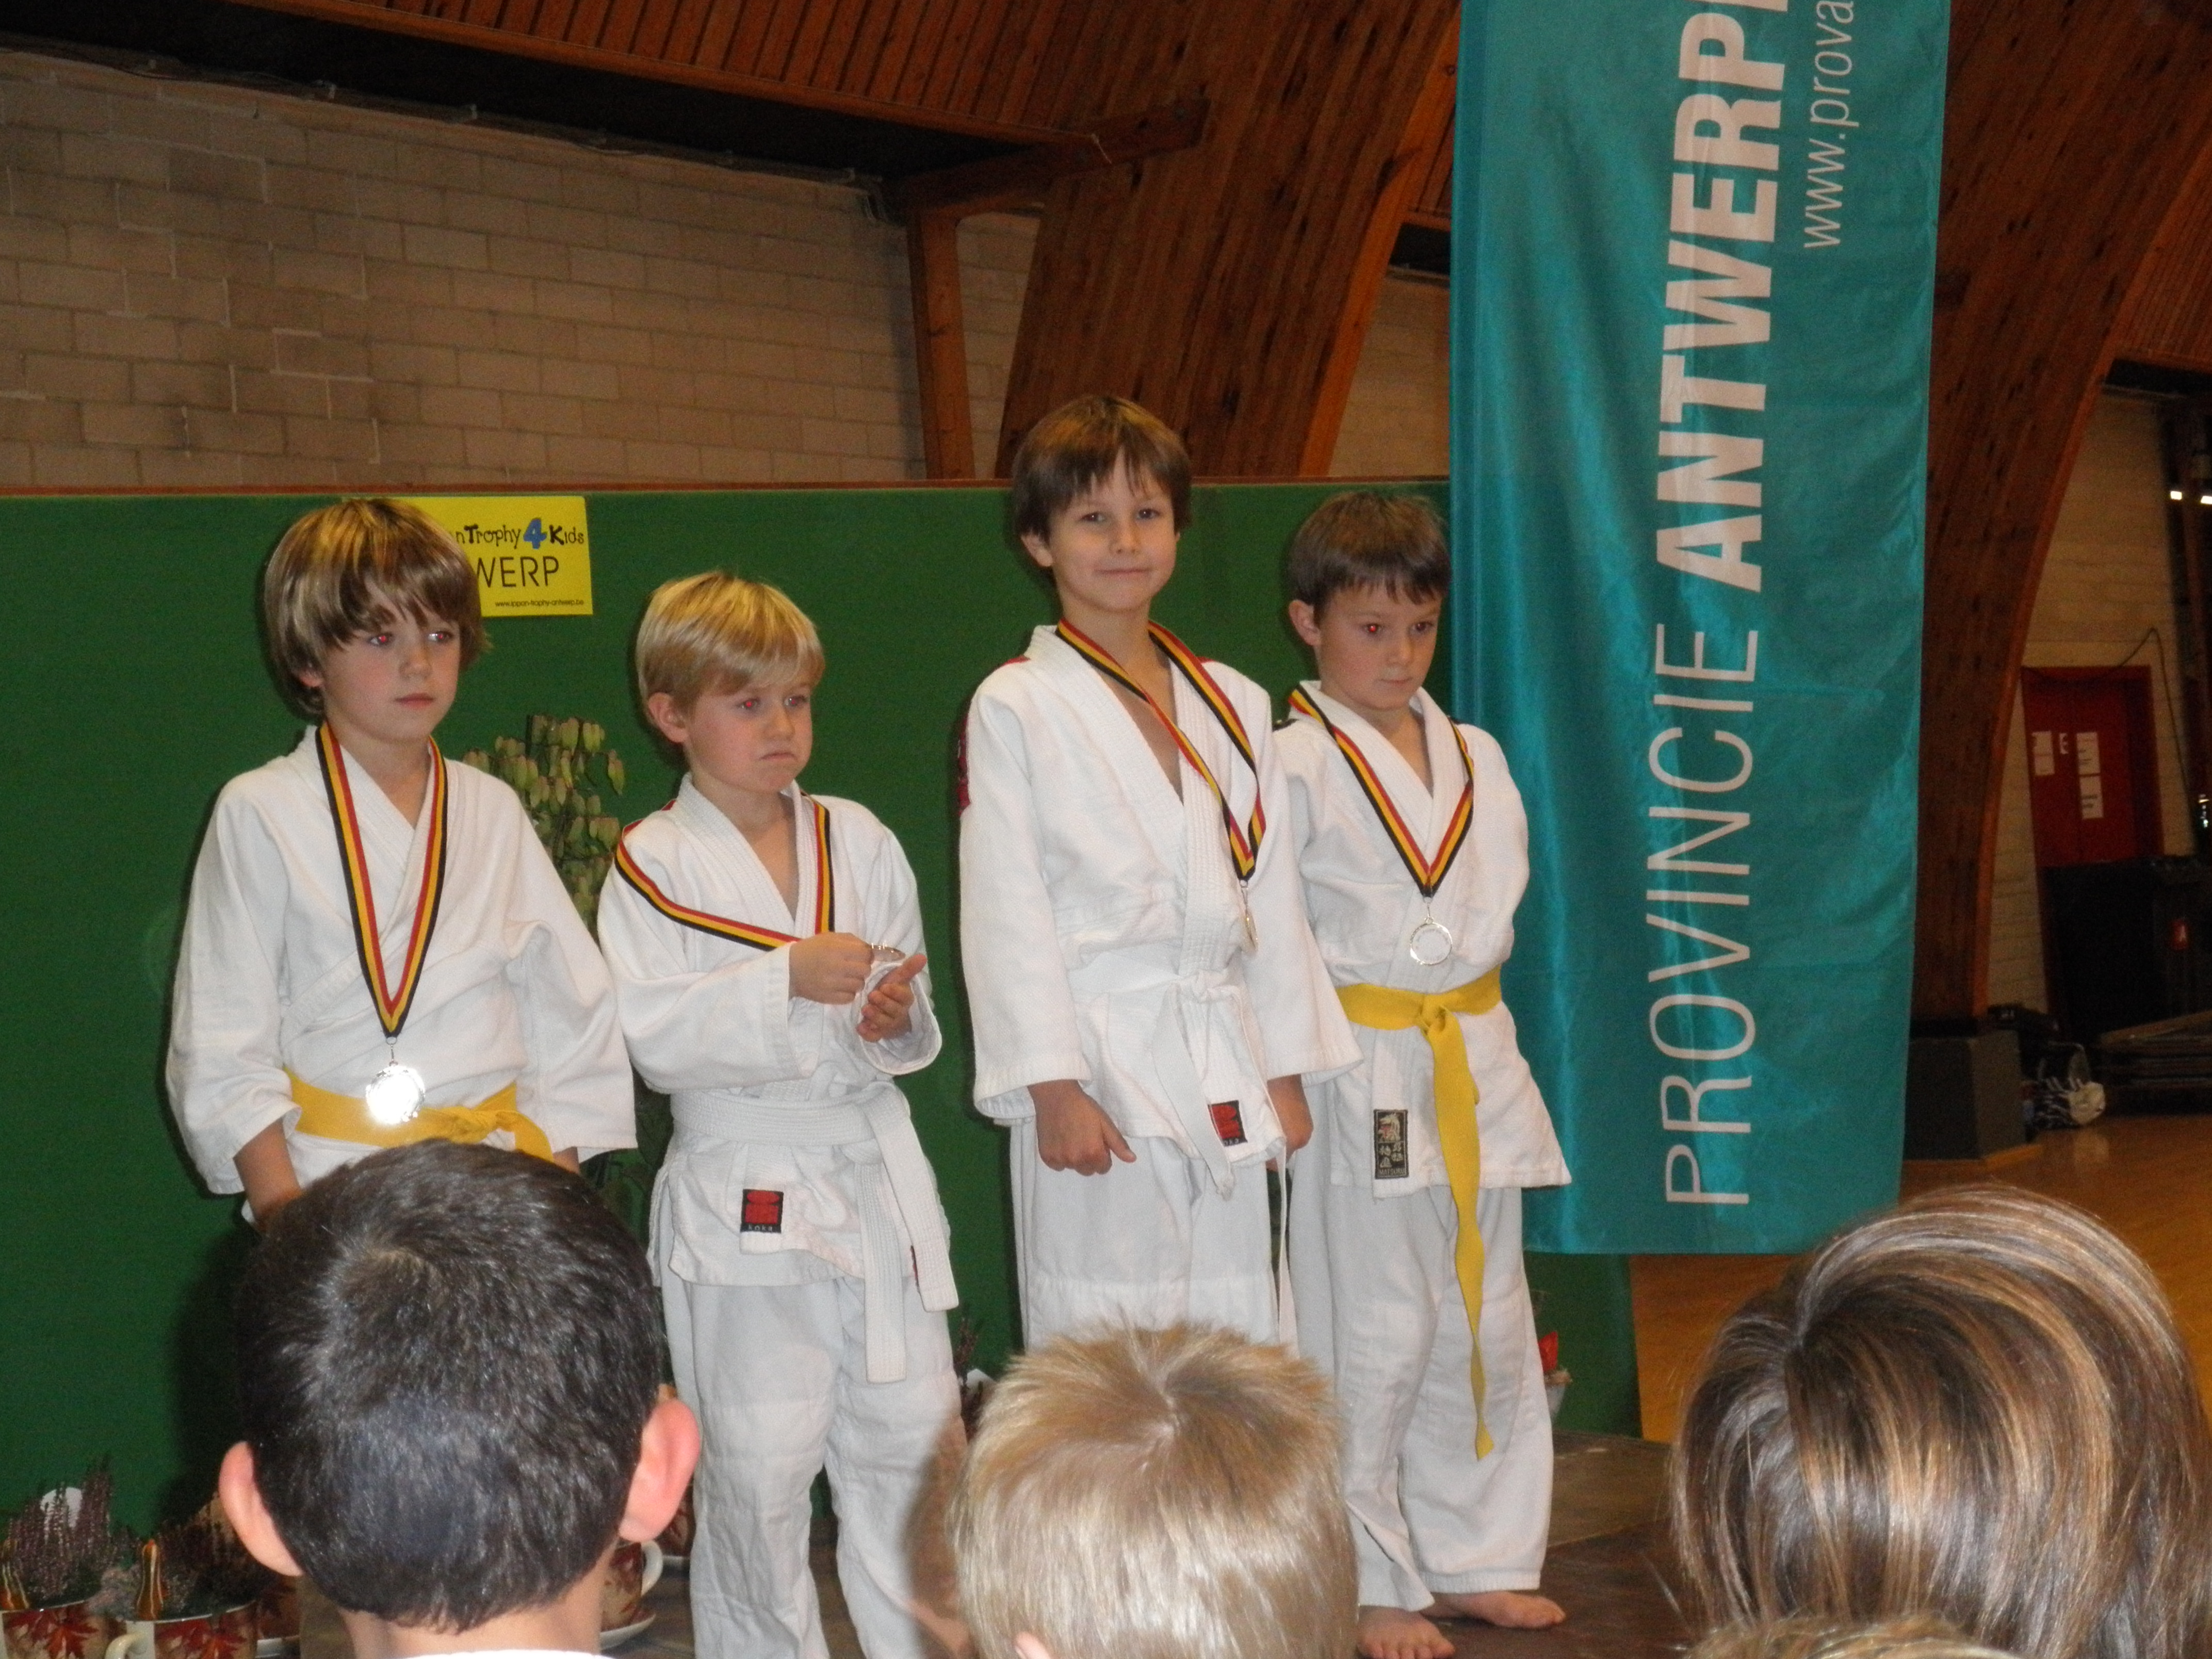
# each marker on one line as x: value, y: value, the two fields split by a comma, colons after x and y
x: 310, y: 678
x: 1306, y: 623
x: 1039, y: 549
x: 249, y: 1517
x: 667, y: 1452
x: 1030, y: 1648
x: 667, y: 717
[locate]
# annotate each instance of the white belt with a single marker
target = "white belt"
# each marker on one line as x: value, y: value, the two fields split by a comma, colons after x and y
x: 879, y: 1131
x: 1185, y: 1013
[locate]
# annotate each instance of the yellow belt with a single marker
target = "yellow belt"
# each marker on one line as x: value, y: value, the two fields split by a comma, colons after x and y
x: 1382, y: 1010
x: 342, y: 1117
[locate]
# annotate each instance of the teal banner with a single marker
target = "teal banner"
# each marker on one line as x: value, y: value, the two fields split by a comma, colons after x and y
x: 1693, y: 256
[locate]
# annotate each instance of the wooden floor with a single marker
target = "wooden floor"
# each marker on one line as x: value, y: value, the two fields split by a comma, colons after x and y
x: 2150, y: 1179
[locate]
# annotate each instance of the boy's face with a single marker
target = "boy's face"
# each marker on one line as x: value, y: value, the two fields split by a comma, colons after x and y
x: 1373, y: 648
x: 753, y: 740
x: 392, y: 684
x: 1112, y: 548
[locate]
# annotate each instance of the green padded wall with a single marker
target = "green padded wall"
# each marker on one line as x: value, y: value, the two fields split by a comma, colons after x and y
x: 136, y: 687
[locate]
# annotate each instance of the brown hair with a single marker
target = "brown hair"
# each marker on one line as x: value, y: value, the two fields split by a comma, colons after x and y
x: 342, y: 569
x: 1918, y: 1415
x: 1390, y: 540
x: 1157, y: 1495
x: 713, y: 632
x: 1079, y: 445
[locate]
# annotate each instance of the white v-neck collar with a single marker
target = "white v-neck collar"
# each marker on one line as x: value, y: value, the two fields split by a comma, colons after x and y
x: 1161, y: 809
x: 707, y: 821
x: 1430, y: 805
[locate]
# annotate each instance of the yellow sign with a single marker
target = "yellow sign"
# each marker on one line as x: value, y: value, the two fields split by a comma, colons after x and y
x: 533, y: 553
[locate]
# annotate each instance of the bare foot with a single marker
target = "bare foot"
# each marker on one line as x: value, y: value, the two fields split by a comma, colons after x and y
x: 1395, y: 1633
x: 1514, y: 1609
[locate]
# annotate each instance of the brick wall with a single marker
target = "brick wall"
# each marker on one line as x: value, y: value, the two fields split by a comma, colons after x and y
x: 1397, y: 421
x: 2107, y: 581
x: 201, y: 284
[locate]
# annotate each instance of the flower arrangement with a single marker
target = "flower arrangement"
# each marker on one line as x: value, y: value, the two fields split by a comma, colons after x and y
x: 60, y: 1544
x: 559, y: 768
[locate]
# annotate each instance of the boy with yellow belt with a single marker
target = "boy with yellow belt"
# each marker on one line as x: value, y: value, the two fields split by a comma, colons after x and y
x: 1405, y: 1237
x: 378, y: 950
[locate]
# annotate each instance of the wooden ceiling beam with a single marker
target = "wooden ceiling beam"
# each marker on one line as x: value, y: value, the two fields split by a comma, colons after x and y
x: 1000, y: 182
x: 2070, y: 129
x: 558, y: 48
x: 1214, y: 283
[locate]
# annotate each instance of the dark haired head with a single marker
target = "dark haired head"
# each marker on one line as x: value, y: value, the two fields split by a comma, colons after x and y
x: 1080, y: 445
x: 447, y: 1355
x: 1389, y: 539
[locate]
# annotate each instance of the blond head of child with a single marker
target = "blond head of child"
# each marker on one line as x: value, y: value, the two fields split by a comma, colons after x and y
x: 371, y: 613
x: 1100, y: 494
x: 1156, y: 1494
x: 726, y: 670
x: 1368, y: 570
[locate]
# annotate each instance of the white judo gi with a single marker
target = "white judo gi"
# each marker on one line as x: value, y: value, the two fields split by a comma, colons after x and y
x: 1101, y: 938
x: 801, y: 1252
x: 269, y: 977
x: 1374, y: 1225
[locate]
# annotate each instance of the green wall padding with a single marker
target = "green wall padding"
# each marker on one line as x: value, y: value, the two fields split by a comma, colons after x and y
x: 1585, y: 1298
x: 136, y: 687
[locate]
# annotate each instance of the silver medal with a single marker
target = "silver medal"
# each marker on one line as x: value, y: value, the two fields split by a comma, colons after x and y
x: 1251, y: 928
x: 394, y: 1094
x: 882, y: 959
x: 1430, y: 942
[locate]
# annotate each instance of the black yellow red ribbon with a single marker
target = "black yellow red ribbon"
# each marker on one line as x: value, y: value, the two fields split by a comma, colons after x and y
x: 1243, y: 838
x: 1428, y: 873
x: 742, y: 933
x: 392, y: 1000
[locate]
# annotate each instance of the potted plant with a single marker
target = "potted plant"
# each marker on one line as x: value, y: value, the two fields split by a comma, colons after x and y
x: 195, y: 1595
x: 58, y: 1551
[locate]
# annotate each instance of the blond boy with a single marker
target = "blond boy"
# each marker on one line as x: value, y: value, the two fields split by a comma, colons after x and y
x: 1146, y: 994
x: 1406, y: 1238
x: 377, y: 948
x: 1155, y: 1494
x: 765, y: 944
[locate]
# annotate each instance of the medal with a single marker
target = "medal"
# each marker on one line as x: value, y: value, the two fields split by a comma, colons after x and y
x: 883, y: 958
x: 396, y: 1093
x: 741, y: 933
x: 1431, y: 942
x: 1251, y: 928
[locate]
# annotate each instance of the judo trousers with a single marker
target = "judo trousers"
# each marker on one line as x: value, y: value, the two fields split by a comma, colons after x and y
x: 1380, y: 1312
x: 1147, y: 1243
x: 777, y: 1374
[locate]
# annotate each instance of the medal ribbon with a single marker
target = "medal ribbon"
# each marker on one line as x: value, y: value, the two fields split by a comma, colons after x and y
x: 742, y: 933
x: 391, y: 1002
x: 1428, y: 873
x: 1243, y: 839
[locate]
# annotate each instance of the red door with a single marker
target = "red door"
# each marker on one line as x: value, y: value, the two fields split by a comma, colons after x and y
x: 2092, y: 764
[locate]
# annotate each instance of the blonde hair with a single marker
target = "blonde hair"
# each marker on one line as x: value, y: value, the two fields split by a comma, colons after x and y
x: 713, y: 632
x: 342, y: 569
x: 1975, y: 1408
x: 1811, y: 1638
x: 1157, y: 1495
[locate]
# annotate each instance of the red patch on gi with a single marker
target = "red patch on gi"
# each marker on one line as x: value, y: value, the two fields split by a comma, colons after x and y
x: 1228, y: 1123
x: 763, y: 1212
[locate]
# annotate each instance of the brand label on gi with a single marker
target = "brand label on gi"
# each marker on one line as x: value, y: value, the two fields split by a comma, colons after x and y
x: 763, y: 1212
x: 1390, y: 1161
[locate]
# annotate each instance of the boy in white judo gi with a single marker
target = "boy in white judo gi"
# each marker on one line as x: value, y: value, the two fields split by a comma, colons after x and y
x: 1406, y: 1234
x: 765, y: 944
x: 1143, y: 989
x: 377, y: 948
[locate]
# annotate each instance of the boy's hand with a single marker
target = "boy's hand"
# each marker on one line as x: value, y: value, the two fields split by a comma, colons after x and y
x: 1073, y: 1131
x: 830, y: 967
x: 1289, y: 1096
x: 890, y: 1012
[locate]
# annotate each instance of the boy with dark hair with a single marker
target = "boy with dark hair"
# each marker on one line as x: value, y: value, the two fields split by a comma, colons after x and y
x: 1405, y: 1243
x: 1145, y: 991
x: 378, y: 950
x: 449, y: 1382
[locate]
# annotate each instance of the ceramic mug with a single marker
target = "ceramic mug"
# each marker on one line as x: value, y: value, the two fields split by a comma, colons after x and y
x: 230, y: 1634
x: 69, y: 1630
x: 632, y: 1570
